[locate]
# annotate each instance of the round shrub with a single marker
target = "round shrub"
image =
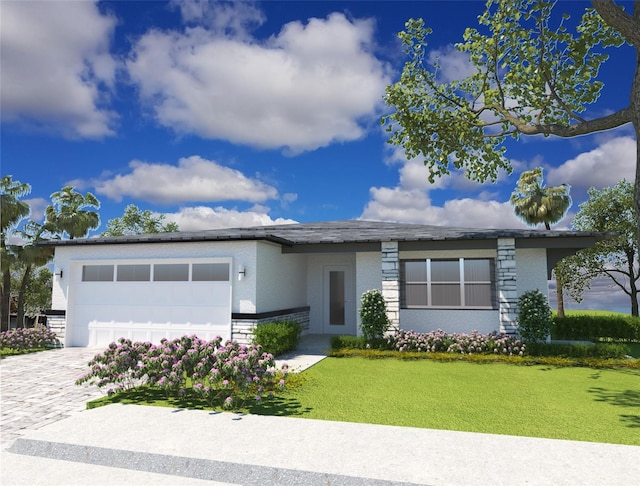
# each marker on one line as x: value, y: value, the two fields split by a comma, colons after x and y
x: 534, y: 317
x: 373, y: 315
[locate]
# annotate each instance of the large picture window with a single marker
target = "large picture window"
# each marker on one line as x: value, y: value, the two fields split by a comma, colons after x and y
x: 448, y: 283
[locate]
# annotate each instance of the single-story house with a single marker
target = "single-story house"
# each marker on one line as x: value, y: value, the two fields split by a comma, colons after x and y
x: 226, y: 281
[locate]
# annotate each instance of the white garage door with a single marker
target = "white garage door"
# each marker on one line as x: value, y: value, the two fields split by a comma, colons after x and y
x: 148, y: 301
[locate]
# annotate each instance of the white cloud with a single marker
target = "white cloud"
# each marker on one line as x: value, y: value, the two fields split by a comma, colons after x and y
x: 306, y: 87
x: 37, y: 206
x: 415, y: 206
x: 204, y: 218
x: 603, y: 166
x: 236, y: 19
x: 193, y: 179
x: 453, y: 64
x: 56, y: 67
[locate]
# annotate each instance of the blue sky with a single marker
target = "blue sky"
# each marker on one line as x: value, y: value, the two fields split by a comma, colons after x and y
x: 239, y: 114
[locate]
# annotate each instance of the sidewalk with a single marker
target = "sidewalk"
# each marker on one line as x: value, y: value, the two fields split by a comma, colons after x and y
x: 132, y: 444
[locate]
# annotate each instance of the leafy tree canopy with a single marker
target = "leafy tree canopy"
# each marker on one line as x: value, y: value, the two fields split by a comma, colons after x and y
x: 611, y: 210
x: 531, y: 76
x: 135, y: 221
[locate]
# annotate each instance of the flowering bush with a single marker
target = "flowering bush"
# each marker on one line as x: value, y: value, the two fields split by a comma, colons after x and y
x: 228, y: 374
x: 534, y: 316
x: 373, y: 315
x: 441, y: 342
x: 25, y: 339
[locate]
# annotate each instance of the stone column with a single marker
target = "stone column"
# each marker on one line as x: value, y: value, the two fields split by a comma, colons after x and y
x: 507, y: 290
x: 391, y: 281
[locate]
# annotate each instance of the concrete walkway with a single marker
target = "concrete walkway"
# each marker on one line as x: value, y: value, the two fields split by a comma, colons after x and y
x: 50, y: 439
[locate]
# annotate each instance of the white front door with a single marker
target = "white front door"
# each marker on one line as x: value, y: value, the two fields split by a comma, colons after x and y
x: 339, y: 311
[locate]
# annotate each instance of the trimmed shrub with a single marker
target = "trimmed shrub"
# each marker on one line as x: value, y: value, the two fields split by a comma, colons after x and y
x: 603, y: 350
x: 227, y: 375
x: 534, y: 317
x: 26, y: 339
x: 373, y: 315
x: 441, y: 342
x: 596, y: 328
x: 277, y: 337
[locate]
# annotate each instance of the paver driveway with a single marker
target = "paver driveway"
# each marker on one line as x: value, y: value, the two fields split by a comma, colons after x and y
x: 39, y: 388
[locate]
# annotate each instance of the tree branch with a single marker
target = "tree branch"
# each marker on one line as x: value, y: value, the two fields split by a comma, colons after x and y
x: 621, y: 21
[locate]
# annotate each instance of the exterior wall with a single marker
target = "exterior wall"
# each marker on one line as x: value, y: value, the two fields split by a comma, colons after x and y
x: 315, y: 285
x: 280, y: 278
x: 532, y: 270
x: 242, y: 329
x: 449, y: 320
x: 242, y: 252
x: 368, y: 277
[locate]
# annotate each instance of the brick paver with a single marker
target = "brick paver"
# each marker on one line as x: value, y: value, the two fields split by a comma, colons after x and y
x: 39, y: 388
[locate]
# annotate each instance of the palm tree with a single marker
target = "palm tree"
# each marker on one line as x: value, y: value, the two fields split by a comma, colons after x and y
x: 68, y: 213
x: 12, y: 211
x: 534, y: 204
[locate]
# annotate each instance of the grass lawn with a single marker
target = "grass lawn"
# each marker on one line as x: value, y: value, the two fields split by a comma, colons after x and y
x: 593, y: 313
x: 537, y: 401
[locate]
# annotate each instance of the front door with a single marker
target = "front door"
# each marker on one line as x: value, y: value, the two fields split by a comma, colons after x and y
x: 339, y: 307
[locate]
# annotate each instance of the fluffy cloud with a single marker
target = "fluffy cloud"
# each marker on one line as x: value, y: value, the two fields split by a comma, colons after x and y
x: 415, y: 206
x: 38, y: 206
x: 308, y: 86
x: 193, y: 179
x: 56, y: 67
x: 237, y: 19
x: 603, y: 166
x: 453, y: 65
x: 204, y: 218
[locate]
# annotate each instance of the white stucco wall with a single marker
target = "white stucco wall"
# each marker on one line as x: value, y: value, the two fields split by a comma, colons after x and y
x: 242, y: 253
x: 531, y: 270
x: 368, y: 277
x: 281, y: 278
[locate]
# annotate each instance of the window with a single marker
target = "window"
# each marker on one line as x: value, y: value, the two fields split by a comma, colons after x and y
x: 97, y: 273
x: 171, y: 272
x: 461, y: 282
x: 210, y: 272
x: 134, y: 273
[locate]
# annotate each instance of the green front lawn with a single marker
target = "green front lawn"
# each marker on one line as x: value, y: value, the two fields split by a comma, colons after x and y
x: 537, y: 401
x: 598, y: 405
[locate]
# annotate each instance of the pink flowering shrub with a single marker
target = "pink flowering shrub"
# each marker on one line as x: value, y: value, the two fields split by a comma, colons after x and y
x: 25, y: 339
x: 441, y: 342
x: 228, y: 374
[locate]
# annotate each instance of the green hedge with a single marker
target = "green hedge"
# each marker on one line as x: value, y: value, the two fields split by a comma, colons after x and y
x: 596, y: 328
x: 277, y: 337
x: 601, y: 350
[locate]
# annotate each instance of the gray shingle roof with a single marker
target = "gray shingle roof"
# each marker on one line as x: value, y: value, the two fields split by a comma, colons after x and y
x: 347, y: 231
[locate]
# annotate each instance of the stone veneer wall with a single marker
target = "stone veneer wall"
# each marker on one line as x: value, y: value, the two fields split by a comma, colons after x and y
x: 58, y: 323
x: 507, y: 289
x: 242, y: 329
x: 391, y: 281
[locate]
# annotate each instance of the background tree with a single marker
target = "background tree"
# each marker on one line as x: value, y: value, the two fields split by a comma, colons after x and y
x: 135, y: 221
x: 70, y: 213
x: 37, y: 294
x: 12, y: 211
x: 611, y: 209
x: 532, y: 77
x: 535, y: 204
x: 27, y: 258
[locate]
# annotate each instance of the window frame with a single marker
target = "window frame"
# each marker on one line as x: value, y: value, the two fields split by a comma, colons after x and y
x: 461, y: 283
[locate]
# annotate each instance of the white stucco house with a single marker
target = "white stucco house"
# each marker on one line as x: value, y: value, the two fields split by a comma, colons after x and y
x: 225, y: 281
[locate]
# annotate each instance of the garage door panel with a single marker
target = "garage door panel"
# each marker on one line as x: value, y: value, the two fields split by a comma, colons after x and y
x: 102, y: 312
